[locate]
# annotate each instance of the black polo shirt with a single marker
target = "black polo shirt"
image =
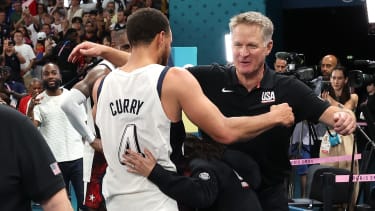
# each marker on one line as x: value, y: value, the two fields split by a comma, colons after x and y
x: 270, y: 149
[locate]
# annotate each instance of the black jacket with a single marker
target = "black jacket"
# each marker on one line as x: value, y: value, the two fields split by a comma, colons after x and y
x: 220, y: 185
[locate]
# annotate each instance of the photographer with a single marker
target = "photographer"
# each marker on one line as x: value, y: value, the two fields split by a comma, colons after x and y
x: 280, y: 65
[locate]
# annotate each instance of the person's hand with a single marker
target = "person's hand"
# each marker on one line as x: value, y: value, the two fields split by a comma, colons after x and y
x: 138, y: 164
x: 97, y: 145
x: 85, y: 49
x: 283, y: 113
x: 345, y: 123
x: 35, y: 100
x: 325, y: 96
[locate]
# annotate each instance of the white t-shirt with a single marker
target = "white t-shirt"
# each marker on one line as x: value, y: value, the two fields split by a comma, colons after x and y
x: 65, y: 142
x: 27, y: 52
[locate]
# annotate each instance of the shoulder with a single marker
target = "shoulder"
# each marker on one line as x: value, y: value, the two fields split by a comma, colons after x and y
x: 354, y: 96
x: 209, y: 68
x: 12, y: 118
x: 179, y: 77
x: 177, y: 72
x: 95, y: 73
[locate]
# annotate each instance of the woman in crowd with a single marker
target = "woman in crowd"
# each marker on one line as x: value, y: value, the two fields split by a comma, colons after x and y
x: 338, y: 94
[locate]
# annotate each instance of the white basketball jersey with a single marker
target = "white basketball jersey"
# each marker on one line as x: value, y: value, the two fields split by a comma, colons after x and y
x: 130, y: 115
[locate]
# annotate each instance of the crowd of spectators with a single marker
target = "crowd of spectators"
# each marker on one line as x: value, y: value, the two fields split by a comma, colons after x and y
x: 35, y: 32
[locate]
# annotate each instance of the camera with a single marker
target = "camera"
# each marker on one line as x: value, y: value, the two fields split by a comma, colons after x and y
x: 326, y: 86
x: 295, y: 63
x: 363, y: 77
x: 111, y: 11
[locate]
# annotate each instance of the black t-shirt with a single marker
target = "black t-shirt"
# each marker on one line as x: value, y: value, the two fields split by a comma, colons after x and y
x: 29, y: 170
x: 270, y: 149
x: 14, y: 63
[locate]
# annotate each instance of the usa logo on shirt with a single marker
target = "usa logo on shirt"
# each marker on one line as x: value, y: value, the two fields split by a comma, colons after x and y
x: 268, y: 96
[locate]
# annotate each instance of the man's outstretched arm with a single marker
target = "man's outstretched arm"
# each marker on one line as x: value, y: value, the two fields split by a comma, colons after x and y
x: 203, y: 113
x: 72, y: 103
x: 113, y: 55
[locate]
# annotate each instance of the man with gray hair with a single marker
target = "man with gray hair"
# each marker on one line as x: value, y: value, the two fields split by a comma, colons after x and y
x: 250, y: 87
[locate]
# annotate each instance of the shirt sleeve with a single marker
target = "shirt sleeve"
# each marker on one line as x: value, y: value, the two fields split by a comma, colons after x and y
x: 40, y: 173
x: 198, y: 191
x: 37, y: 114
x: 305, y: 103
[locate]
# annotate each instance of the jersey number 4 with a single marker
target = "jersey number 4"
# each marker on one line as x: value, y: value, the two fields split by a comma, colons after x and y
x: 129, y: 140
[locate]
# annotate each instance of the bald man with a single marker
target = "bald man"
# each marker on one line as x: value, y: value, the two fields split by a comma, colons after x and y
x: 326, y: 66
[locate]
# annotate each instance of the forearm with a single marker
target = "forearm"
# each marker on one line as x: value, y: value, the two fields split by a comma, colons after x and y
x: 116, y: 57
x: 18, y: 95
x: 190, y: 191
x: 71, y: 105
x: 250, y: 127
x: 19, y: 22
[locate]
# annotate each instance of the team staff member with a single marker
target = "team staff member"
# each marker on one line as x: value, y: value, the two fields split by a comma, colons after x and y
x: 139, y: 101
x: 251, y: 88
x: 220, y: 179
x: 29, y: 170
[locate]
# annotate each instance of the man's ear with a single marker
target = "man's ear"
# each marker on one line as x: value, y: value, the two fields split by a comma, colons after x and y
x: 161, y: 38
x: 269, y: 47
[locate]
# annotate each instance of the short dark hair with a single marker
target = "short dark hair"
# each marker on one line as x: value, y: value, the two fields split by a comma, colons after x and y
x: 77, y: 19
x: 93, y: 12
x: 144, y: 24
